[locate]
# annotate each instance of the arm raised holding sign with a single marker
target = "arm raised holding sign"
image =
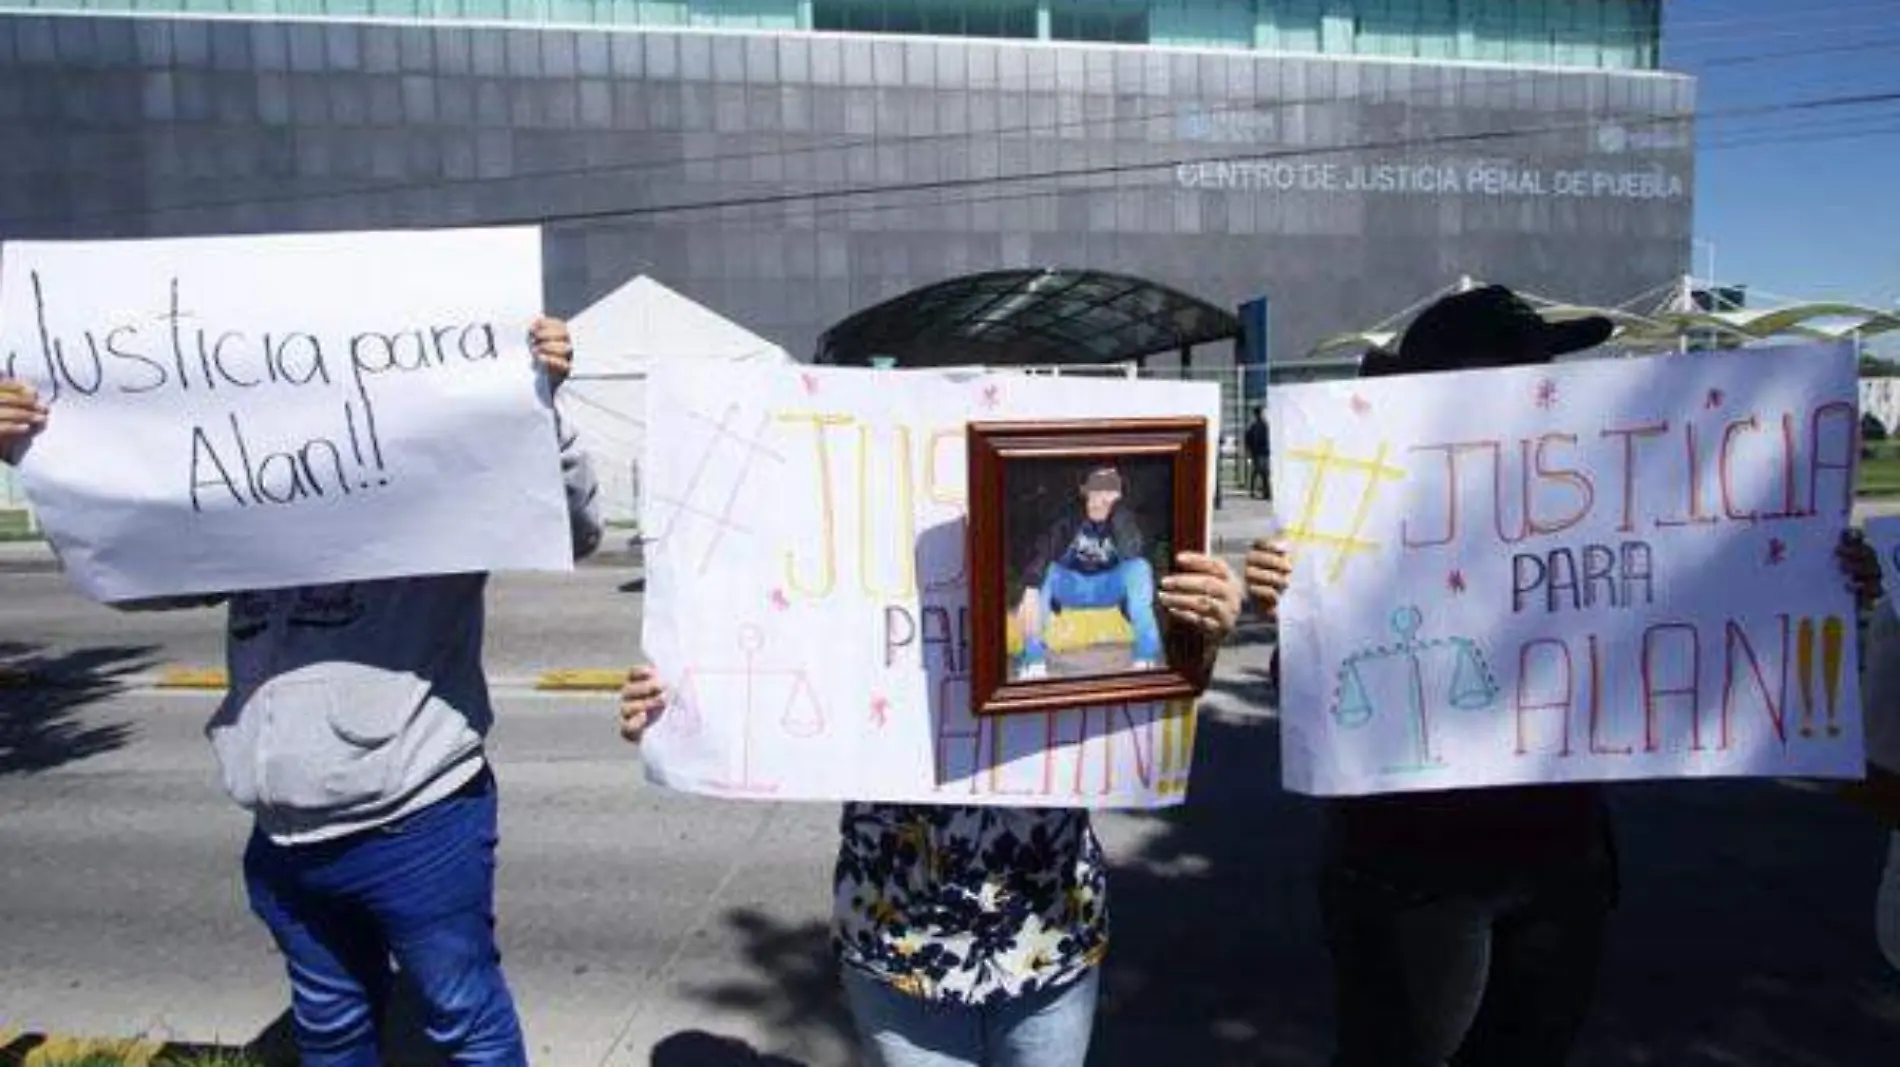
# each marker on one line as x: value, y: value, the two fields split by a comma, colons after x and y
x: 554, y: 353
x: 355, y: 720
x: 1879, y: 793
x: 1467, y: 924
x: 365, y: 706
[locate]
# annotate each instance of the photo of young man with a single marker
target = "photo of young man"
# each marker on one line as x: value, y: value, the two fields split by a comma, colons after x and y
x: 1093, y: 555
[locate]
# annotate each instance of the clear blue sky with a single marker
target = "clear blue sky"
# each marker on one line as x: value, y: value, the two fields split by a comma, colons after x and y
x: 1801, y: 205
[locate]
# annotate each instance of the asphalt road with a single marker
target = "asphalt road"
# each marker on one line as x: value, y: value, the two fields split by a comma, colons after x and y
x: 590, y: 618
x: 644, y: 927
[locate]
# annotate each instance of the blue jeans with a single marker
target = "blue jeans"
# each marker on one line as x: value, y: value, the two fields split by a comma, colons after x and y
x: 420, y: 890
x: 1046, y: 1029
x: 1129, y: 585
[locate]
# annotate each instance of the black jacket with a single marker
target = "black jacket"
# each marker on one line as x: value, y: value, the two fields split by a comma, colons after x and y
x: 1124, y: 533
x: 1257, y: 438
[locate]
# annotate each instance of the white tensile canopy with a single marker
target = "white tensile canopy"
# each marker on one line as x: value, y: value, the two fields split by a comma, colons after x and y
x: 616, y: 341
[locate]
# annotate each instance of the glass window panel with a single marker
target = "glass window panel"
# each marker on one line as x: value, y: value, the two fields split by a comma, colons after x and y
x: 1019, y: 20
x: 983, y: 20
x: 1202, y: 23
x: 943, y: 20
x: 902, y: 16
x: 828, y: 15
x: 865, y: 16
x: 663, y: 12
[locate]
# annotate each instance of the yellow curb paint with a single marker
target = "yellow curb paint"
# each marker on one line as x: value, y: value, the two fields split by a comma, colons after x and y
x: 592, y: 680
x: 192, y: 678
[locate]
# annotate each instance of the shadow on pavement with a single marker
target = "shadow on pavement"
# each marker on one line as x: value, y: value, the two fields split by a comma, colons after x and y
x: 696, y: 1048
x: 405, y: 1043
x: 1212, y: 962
x: 1745, y: 934
x: 42, y: 698
x: 796, y: 995
x: 273, y: 1047
x: 1215, y: 959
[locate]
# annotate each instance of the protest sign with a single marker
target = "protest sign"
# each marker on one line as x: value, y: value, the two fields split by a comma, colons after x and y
x: 1589, y: 571
x: 808, y: 594
x: 261, y: 412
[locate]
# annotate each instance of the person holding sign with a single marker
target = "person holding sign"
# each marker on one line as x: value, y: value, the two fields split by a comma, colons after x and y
x: 353, y: 732
x: 1880, y: 793
x: 1466, y: 927
x: 971, y: 936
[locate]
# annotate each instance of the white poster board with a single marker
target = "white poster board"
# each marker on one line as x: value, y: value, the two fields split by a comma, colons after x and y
x: 808, y: 594
x: 1589, y: 571
x: 261, y: 412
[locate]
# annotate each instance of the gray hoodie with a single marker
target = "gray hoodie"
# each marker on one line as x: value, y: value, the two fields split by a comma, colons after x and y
x: 354, y: 705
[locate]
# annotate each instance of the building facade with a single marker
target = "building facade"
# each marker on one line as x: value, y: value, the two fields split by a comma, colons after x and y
x: 787, y: 162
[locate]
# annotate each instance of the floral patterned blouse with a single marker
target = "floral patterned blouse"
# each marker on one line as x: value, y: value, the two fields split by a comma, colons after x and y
x: 969, y: 906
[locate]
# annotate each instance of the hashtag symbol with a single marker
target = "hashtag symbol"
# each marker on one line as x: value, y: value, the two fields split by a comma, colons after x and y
x: 722, y: 442
x: 1328, y: 465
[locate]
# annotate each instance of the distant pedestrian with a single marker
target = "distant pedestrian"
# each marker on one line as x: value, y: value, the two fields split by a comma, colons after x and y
x: 1259, y: 446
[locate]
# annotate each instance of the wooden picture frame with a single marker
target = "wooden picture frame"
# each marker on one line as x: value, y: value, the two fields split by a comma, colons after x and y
x: 1033, y: 484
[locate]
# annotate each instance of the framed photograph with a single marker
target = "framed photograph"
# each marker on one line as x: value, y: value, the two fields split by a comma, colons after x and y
x: 1072, y: 527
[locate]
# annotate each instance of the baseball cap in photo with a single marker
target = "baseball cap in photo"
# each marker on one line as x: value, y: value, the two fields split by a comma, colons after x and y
x: 1489, y: 326
x: 1103, y: 480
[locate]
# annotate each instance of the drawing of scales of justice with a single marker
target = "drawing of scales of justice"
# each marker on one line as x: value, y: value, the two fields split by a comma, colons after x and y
x: 755, y: 695
x: 1411, y: 662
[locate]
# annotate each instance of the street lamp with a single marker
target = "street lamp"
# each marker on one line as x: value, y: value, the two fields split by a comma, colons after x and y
x: 1711, y: 247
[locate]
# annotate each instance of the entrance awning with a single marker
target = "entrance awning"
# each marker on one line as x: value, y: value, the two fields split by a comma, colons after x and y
x: 1034, y: 317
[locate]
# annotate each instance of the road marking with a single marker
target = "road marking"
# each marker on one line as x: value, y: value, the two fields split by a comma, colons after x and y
x: 191, y: 678
x: 587, y: 679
